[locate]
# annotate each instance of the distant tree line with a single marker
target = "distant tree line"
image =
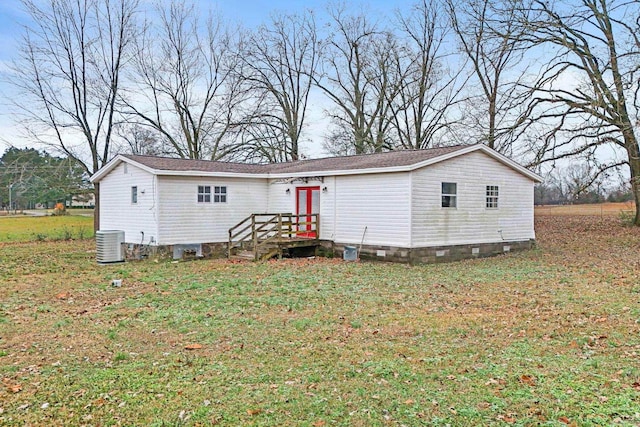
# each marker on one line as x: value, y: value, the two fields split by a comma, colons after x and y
x: 577, y: 184
x: 29, y: 178
x: 538, y: 81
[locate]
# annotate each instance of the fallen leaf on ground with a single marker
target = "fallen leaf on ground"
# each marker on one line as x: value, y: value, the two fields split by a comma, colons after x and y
x: 507, y: 418
x: 528, y: 380
x: 254, y: 411
x: 194, y: 346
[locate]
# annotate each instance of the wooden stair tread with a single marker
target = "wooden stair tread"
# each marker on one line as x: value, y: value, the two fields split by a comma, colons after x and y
x: 264, y: 236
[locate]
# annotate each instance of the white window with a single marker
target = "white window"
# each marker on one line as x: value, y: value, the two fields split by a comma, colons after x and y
x: 204, y: 194
x: 492, y: 196
x: 220, y: 194
x: 449, y: 194
x: 134, y: 195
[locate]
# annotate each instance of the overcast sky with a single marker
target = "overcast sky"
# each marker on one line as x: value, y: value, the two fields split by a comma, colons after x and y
x: 249, y: 13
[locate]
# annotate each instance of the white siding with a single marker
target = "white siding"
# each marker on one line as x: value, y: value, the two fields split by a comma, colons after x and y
x: 471, y: 221
x: 397, y: 209
x: 118, y: 213
x: 379, y: 202
x: 279, y: 200
x: 328, y: 209
x: 183, y: 220
x: 282, y: 202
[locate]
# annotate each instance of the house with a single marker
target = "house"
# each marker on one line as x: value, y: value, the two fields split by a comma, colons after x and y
x: 87, y: 200
x: 412, y: 206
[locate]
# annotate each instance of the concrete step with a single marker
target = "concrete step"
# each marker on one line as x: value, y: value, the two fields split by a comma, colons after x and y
x: 243, y: 255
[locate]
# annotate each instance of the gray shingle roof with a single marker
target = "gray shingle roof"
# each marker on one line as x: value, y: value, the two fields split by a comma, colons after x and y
x: 363, y: 161
x: 184, y: 165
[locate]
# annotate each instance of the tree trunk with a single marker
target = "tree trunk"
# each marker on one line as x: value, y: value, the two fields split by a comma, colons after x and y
x: 96, y: 209
x: 635, y: 185
x: 634, y: 168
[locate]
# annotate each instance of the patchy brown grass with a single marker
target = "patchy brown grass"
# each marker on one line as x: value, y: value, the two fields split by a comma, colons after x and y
x: 544, y: 337
x: 598, y: 209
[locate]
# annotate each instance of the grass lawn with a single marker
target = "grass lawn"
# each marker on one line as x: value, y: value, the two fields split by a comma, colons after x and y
x: 624, y: 209
x: 31, y: 228
x: 546, y: 337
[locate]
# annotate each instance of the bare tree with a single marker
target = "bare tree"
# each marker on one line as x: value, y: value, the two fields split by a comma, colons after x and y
x: 138, y: 139
x: 186, y: 88
x: 69, y: 72
x: 493, y: 41
x: 280, y: 62
x: 355, y: 79
x: 590, y: 88
x: 573, y: 183
x: 421, y: 105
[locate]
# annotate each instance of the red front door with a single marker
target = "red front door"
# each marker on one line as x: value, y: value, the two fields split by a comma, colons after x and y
x: 307, y: 203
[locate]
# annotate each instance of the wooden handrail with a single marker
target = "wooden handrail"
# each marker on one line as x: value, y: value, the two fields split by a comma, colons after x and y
x: 266, y: 228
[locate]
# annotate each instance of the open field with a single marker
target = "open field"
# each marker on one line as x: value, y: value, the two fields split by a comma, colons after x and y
x: 31, y: 228
x: 600, y: 209
x: 548, y: 337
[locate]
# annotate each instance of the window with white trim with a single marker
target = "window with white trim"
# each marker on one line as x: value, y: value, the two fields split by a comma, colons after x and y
x: 220, y: 194
x: 449, y: 194
x: 492, y: 196
x: 134, y: 195
x: 204, y: 194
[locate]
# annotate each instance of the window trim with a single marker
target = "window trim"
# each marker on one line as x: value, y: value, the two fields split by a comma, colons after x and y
x: 452, y: 197
x: 204, y: 194
x: 220, y: 194
x: 492, y: 196
x: 134, y: 194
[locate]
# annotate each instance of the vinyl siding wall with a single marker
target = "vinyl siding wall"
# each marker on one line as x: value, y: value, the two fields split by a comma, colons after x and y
x: 183, y: 220
x: 118, y: 213
x: 279, y: 201
x: 379, y: 202
x: 471, y: 221
x: 282, y: 202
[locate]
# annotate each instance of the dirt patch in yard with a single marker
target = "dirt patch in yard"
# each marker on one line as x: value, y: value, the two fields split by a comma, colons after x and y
x: 599, y: 209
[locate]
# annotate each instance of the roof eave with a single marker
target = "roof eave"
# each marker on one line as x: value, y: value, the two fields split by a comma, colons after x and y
x: 510, y: 163
x: 104, y: 171
x: 341, y: 172
x: 414, y: 166
x: 212, y: 174
x: 404, y: 168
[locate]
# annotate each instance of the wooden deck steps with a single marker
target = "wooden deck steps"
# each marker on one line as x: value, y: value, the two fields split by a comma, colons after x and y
x: 243, y: 256
x: 264, y: 236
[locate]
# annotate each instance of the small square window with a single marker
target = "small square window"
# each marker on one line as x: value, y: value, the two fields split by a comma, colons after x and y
x: 449, y: 194
x: 204, y: 194
x: 492, y: 196
x: 220, y: 194
x: 134, y: 195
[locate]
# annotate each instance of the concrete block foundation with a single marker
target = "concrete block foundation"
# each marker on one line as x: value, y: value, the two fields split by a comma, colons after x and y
x: 425, y: 255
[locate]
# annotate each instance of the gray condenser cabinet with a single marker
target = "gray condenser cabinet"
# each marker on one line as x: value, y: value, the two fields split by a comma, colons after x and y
x: 109, y: 246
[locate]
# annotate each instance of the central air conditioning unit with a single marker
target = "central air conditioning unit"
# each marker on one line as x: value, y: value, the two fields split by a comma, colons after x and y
x: 109, y: 246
